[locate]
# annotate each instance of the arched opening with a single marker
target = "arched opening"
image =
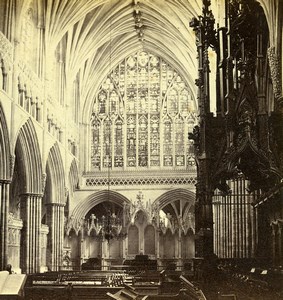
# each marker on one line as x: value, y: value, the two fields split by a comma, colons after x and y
x: 177, y: 225
x: 53, y: 211
x: 26, y: 201
x: 100, y: 222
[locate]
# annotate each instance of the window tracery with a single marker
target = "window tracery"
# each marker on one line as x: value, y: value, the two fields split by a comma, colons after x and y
x: 144, y: 108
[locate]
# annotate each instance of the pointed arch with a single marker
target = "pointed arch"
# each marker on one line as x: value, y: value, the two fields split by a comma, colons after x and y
x: 83, y: 207
x: 169, y: 196
x: 5, y: 151
x: 29, y: 158
x: 56, y: 174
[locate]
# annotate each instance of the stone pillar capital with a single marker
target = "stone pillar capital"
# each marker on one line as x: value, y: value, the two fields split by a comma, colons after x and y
x: 26, y: 195
x: 55, y: 204
x: 5, y: 181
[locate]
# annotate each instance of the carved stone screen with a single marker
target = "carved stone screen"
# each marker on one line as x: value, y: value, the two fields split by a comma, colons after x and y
x: 141, y: 116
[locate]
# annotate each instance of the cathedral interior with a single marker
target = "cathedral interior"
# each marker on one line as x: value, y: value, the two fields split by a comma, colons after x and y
x: 141, y: 149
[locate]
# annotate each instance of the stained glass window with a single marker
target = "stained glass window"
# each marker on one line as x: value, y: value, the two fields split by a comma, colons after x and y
x: 140, y: 116
x: 168, y: 142
x: 118, y: 149
x: 107, y: 143
x: 95, y: 151
x: 131, y: 140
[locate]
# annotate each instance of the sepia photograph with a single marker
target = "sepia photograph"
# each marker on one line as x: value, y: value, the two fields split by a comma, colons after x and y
x: 141, y: 149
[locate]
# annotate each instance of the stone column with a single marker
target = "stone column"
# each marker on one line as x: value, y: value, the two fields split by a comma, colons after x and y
x: 4, y: 209
x: 31, y: 243
x: 55, y: 221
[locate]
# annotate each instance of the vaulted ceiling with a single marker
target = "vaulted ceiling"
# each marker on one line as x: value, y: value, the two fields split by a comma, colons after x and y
x: 100, y: 33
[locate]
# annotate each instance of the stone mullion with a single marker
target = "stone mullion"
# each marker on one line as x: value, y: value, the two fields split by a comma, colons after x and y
x: 161, y: 139
x: 137, y: 139
x: 4, y: 209
x: 113, y: 145
x: 173, y: 142
x: 148, y: 138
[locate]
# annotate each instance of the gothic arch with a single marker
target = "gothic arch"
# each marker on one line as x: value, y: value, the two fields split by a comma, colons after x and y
x: 56, y: 175
x: 5, y: 151
x: 180, y: 205
x: 169, y: 196
x: 103, y: 69
x: 86, y: 205
x: 29, y: 159
x: 271, y: 12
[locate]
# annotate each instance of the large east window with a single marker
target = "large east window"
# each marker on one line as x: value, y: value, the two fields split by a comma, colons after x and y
x: 141, y: 116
